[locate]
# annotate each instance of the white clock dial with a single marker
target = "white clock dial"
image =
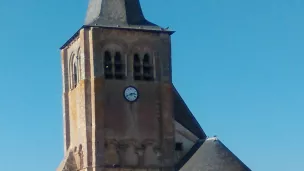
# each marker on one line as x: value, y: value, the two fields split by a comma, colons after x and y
x: 131, y: 94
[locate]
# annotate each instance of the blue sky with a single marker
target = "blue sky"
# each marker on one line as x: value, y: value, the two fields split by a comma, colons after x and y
x: 238, y: 65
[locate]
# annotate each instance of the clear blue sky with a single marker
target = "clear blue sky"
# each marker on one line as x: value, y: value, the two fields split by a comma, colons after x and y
x: 238, y: 64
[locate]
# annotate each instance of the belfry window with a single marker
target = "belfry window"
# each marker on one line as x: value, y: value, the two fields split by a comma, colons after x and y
x: 108, y: 69
x: 143, y: 68
x: 136, y: 67
x: 118, y: 66
x: 147, y: 68
x: 113, y: 65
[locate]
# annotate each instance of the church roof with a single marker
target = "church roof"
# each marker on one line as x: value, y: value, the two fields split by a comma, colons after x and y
x: 117, y: 13
x: 184, y: 116
x: 207, y: 153
x: 212, y: 155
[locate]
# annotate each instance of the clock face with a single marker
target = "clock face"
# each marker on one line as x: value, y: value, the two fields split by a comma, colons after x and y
x: 131, y: 94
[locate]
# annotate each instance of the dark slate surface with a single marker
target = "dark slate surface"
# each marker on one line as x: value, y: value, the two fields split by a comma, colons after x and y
x: 190, y: 153
x: 212, y: 155
x: 184, y: 116
x: 113, y: 13
x: 118, y: 14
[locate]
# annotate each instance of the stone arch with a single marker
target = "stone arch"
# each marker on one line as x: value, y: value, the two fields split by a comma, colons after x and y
x: 114, y: 47
x: 70, y: 72
x: 79, y: 63
x: 144, y: 48
x: 73, y: 71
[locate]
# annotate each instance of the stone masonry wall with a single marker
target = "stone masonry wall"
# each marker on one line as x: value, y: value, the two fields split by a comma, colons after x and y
x: 103, y: 129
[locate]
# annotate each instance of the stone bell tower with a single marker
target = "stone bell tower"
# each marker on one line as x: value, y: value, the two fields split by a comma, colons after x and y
x: 118, y: 92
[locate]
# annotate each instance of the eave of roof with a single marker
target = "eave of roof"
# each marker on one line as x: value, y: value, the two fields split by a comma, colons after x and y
x: 133, y: 28
x: 183, y: 115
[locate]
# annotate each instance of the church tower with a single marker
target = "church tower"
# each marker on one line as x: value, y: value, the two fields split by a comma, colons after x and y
x: 117, y: 92
x: 121, y: 111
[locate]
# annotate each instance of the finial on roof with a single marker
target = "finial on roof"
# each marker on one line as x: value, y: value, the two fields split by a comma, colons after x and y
x: 113, y: 13
x: 214, y: 138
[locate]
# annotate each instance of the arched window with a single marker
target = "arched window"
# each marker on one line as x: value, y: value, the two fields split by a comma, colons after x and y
x: 108, y: 65
x: 147, y: 68
x: 75, y: 78
x: 73, y: 72
x: 119, y: 70
x: 136, y: 67
x: 146, y: 60
x: 78, y: 63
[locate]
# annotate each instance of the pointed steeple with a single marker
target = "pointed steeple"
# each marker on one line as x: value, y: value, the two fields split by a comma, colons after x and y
x: 117, y: 13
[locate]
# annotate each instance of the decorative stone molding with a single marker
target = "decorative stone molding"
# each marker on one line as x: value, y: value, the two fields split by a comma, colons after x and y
x: 111, y: 46
x: 142, y: 47
x: 68, y: 163
x: 112, y: 153
x: 78, y: 156
x: 152, y: 153
x: 148, y: 142
x: 123, y: 46
x: 81, y: 156
x: 129, y: 152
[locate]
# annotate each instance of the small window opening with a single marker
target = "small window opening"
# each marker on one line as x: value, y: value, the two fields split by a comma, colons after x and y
x: 74, y: 75
x: 118, y: 66
x: 146, y: 60
x: 179, y: 146
x: 136, y: 67
x: 108, y: 65
x: 148, y: 73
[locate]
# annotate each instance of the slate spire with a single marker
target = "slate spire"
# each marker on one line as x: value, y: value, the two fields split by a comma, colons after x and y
x: 117, y: 13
